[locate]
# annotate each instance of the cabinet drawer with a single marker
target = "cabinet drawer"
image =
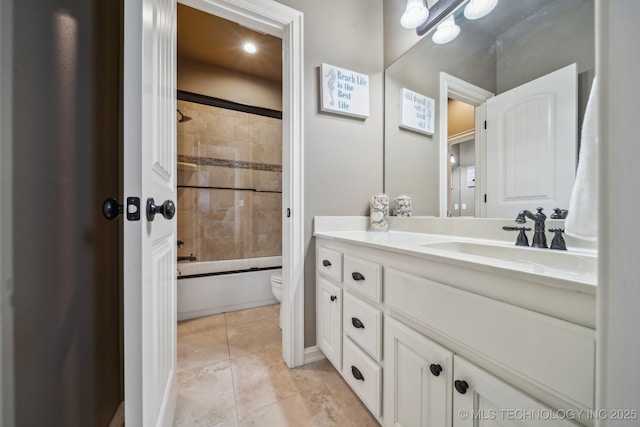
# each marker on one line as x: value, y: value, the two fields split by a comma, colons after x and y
x: 363, y: 324
x: 363, y: 375
x: 329, y: 263
x: 363, y: 277
x: 554, y: 354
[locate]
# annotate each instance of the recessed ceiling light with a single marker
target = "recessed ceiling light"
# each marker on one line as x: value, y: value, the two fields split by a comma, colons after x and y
x: 250, y: 47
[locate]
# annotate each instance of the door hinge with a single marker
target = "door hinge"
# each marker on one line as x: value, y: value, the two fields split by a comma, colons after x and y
x: 485, y: 124
x: 485, y: 197
x: 288, y: 212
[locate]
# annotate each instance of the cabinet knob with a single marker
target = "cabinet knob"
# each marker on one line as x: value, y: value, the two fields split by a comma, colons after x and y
x: 356, y: 373
x: 357, y: 323
x: 333, y: 297
x: 461, y: 386
x: 326, y: 263
x: 435, y: 369
x: 357, y: 276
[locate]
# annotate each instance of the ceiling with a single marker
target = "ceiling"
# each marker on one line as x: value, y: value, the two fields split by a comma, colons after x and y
x: 216, y: 41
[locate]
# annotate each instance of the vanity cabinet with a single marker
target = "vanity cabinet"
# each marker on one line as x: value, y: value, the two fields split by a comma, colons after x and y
x: 430, y: 343
x: 418, y: 377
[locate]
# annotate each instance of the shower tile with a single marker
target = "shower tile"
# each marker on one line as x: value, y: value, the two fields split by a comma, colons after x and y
x: 262, y: 378
x: 267, y: 180
x: 241, y: 128
x: 205, y: 396
x: 308, y: 408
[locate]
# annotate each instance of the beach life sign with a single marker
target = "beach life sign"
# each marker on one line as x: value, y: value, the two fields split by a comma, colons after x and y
x: 344, y: 91
x: 417, y: 112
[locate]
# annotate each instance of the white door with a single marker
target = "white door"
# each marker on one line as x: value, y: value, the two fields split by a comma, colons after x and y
x: 150, y: 245
x: 480, y: 399
x: 531, y: 145
x: 329, y: 321
x: 417, y: 379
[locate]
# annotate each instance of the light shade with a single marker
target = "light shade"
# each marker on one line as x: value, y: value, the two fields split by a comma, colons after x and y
x: 453, y: 158
x: 479, y: 8
x: 415, y: 14
x: 446, y: 31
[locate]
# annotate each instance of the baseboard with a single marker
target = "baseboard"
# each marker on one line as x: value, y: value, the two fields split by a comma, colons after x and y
x: 313, y: 354
x: 118, y: 417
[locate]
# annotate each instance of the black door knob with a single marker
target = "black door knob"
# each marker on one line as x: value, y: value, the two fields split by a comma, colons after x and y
x: 461, y: 386
x: 357, y: 323
x: 357, y: 276
x: 111, y: 209
x: 435, y: 369
x: 333, y: 297
x: 326, y: 263
x: 356, y: 373
x: 167, y: 209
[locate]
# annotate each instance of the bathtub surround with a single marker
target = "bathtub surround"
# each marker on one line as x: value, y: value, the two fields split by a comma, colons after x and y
x: 230, y: 196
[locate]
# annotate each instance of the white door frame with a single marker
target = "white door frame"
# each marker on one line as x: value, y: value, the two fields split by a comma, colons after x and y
x: 455, y: 88
x: 283, y: 22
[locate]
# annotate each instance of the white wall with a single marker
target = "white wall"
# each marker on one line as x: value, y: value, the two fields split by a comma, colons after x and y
x: 344, y: 159
x: 618, y: 61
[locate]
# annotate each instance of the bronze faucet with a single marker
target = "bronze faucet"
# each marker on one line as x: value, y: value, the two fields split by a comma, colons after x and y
x: 539, y: 236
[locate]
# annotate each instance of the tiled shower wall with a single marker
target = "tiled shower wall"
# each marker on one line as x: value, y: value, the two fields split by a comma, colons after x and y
x: 229, y: 184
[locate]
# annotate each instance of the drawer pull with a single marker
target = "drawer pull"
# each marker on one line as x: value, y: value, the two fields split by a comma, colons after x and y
x: 357, y: 323
x: 333, y: 297
x: 357, y: 276
x: 435, y: 369
x: 356, y: 373
x: 461, y: 386
x: 326, y: 263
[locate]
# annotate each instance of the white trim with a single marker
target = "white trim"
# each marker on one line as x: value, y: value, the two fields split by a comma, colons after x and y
x: 313, y: 354
x: 6, y: 215
x: 453, y: 87
x: 461, y: 137
x: 281, y: 21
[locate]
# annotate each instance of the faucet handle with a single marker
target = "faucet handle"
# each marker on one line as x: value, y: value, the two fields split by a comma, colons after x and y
x: 558, y: 241
x: 522, y: 239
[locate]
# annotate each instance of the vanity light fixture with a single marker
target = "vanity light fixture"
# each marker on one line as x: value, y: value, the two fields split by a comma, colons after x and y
x: 446, y: 32
x: 478, y: 8
x: 415, y: 14
x: 250, y: 47
x: 453, y: 158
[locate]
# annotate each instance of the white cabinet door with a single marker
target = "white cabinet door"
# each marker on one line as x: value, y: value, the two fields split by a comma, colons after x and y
x: 417, y: 379
x: 480, y: 399
x: 531, y: 145
x: 329, y: 320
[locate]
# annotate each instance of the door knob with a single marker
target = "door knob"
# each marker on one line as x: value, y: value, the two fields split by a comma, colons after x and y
x: 111, y: 209
x: 167, y: 209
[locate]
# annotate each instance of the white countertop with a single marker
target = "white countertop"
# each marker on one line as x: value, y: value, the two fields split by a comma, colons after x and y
x: 582, y: 277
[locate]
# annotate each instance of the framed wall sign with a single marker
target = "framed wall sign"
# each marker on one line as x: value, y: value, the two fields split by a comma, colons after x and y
x: 344, y: 92
x: 417, y: 112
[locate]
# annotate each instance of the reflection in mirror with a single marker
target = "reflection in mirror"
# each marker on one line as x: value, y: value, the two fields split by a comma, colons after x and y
x: 518, y: 42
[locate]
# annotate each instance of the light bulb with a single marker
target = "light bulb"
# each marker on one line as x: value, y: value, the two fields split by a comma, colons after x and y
x: 250, y: 47
x: 415, y: 14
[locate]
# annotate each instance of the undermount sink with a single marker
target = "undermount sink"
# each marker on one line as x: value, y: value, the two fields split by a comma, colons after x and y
x: 565, y: 262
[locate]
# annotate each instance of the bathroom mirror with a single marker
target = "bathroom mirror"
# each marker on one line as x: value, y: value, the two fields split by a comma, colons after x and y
x: 517, y: 43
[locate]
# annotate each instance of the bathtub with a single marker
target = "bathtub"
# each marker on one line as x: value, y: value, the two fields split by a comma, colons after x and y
x: 212, y: 287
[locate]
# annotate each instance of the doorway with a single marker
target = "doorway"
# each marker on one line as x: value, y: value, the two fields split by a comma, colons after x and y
x: 280, y: 21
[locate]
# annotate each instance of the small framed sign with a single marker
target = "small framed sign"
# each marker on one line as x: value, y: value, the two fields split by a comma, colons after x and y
x: 417, y: 112
x: 344, y: 92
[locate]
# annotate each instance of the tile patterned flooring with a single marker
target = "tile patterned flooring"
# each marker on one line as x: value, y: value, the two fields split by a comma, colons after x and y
x: 231, y: 373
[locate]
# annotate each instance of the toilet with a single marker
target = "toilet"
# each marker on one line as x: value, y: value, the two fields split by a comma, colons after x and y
x: 276, y: 287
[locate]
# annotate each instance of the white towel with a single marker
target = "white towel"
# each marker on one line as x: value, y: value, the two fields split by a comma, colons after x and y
x: 582, y: 220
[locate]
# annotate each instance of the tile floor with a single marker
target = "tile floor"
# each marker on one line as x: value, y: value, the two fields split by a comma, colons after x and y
x: 231, y: 373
